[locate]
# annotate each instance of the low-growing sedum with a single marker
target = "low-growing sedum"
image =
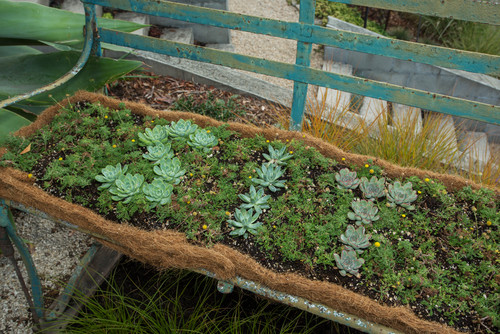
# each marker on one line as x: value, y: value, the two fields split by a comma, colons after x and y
x: 150, y: 137
x: 126, y: 187
x: 170, y: 170
x: 158, y: 152
x: 277, y: 157
x: 203, y: 141
x: 254, y: 200
x: 347, y: 179
x: 364, y: 212
x: 158, y: 192
x: 110, y: 174
x: 356, y: 239
x: 373, y: 189
x: 181, y: 129
x: 348, y: 262
x: 401, y: 195
x: 245, y: 222
x: 269, y: 177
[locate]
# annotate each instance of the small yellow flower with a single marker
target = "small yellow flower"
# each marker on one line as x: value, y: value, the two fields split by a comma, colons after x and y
x: 398, y: 282
x: 474, y: 209
x: 287, y: 140
x: 472, y: 228
x: 372, y: 171
x: 190, y: 174
x: 343, y: 159
x: 106, y: 116
x: 419, y: 192
x: 152, y: 121
x: 31, y: 175
x: 250, y: 177
x: 367, y: 165
x: 267, y: 141
x: 208, y: 131
x: 195, y: 213
x: 291, y: 152
x: 274, y: 226
x: 203, y: 176
x: 403, y: 215
x: 133, y: 140
x: 204, y: 226
x: 114, y: 146
x: 60, y: 159
x: 228, y: 213
x: 426, y: 179
x: 487, y: 223
x: 188, y: 202
x: 303, y: 136
x: 376, y: 244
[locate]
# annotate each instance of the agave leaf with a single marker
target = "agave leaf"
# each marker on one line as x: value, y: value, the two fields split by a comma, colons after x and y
x: 10, y: 122
x: 17, y: 50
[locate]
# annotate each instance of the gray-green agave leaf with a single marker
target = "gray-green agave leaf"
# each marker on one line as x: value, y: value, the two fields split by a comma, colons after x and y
x: 373, y: 189
x: 158, y: 152
x: 126, y: 187
x: 110, y: 174
x: 277, y: 157
x: 364, y: 212
x: 203, y: 141
x: 245, y: 222
x: 269, y: 177
x: 347, y: 179
x: 158, y: 192
x: 401, y: 195
x: 181, y: 129
x: 348, y: 262
x: 254, y: 200
x: 152, y: 137
x: 170, y: 170
x: 356, y: 239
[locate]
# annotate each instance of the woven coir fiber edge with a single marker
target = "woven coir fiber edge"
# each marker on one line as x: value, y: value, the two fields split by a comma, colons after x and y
x: 169, y: 249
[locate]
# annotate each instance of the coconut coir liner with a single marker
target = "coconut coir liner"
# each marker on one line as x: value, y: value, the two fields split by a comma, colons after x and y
x: 170, y: 249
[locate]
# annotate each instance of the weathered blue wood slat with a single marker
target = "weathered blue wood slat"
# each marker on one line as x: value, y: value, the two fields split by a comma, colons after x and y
x: 484, y: 11
x: 309, y: 33
x: 412, y: 97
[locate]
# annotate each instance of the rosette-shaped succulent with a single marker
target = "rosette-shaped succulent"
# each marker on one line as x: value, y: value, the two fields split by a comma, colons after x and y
x: 158, y: 152
x: 181, y: 129
x: 356, y: 239
x: 158, y: 192
x: 374, y: 188
x: 170, y: 170
x: 110, y: 174
x: 254, y: 200
x: 364, y: 212
x: 126, y: 187
x: 277, y: 157
x: 203, y: 141
x: 347, y: 179
x: 401, y: 195
x: 269, y: 177
x: 152, y: 137
x: 348, y: 262
x: 245, y: 221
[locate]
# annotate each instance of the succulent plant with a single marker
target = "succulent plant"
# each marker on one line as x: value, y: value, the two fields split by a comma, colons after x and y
x: 277, y: 157
x: 126, y: 187
x: 158, y: 192
x: 348, y: 262
x: 364, y: 212
x: 347, y: 179
x: 158, y: 152
x: 181, y: 129
x: 356, y: 239
x: 245, y: 221
x: 269, y: 176
x: 374, y: 188
x: 401, y: 195
x: 203, y: 141
x: 170, y: 170
x: 151, y: 137
x: 110, y: 174
x: 254, y: 200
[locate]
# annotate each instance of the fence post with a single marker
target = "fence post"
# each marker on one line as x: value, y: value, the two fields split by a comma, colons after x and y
x: 307, y: 13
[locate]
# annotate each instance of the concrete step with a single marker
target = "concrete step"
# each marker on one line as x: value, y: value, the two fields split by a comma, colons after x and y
x: 137, y: 18
x: 476, y: 148
x: 181, y: 35
x: 76, y: 6
x: 336, y: 99
x: 444, y: 130
x: 223, y: 47
x: 371, y: 109
x: 403, y: 115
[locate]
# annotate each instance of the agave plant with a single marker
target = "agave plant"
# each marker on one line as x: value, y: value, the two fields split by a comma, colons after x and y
x: 158, y: 192
x: 181, y: 129
x: 158, y: 152
x: 374, y: 188
x: 245, y: 221
x: 347, y: 179
x: 277, y: 157
x: 348, y: 262
x: 364, y: 212
x: 269, y: 177
x: 254, y: 200
x: 126, y: 187
x: 203, y: 141
x: 401, y: 195
x: 356, y: 239
x: 170, y: 170
x: 158, y: 135
x: 110, y: 174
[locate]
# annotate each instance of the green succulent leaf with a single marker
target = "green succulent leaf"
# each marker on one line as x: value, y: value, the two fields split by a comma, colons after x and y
x: 255, y: 200
x: 356, y: 239
x: 181, y: 129
x: 269, y: 177
x: 373, y: 189
x: 347, y: 179
x: 245, y: 222
x: 126, y: 187
x: 170, y: 170
x: 203, y: 141
x: 364, y: 212
x: 277, y: 157
x: 158, y: 192
x: 401, y: 195
x: 158, y: 135
x: 158, y: 152
x: 110, y: 174
x: 348, y: 262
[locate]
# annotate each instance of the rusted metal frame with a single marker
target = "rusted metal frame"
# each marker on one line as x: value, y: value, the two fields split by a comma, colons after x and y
x: 483, y: 11
x: 90, y: 29
x: 379, y: 90
x: 303, y: 58
x: 310, y: 33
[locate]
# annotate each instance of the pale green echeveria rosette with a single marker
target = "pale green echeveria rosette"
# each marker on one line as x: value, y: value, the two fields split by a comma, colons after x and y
x: 170, y: 170
x: 159, y: 152
x: 203, y: 140
x: 110, y: 174
x: 245, y: 222
x: 181, y: 129
x: 269, y: 177
x: 158, y: 192
x: 126, y: 187
x: 255, y: 199
x: 158, y: 135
